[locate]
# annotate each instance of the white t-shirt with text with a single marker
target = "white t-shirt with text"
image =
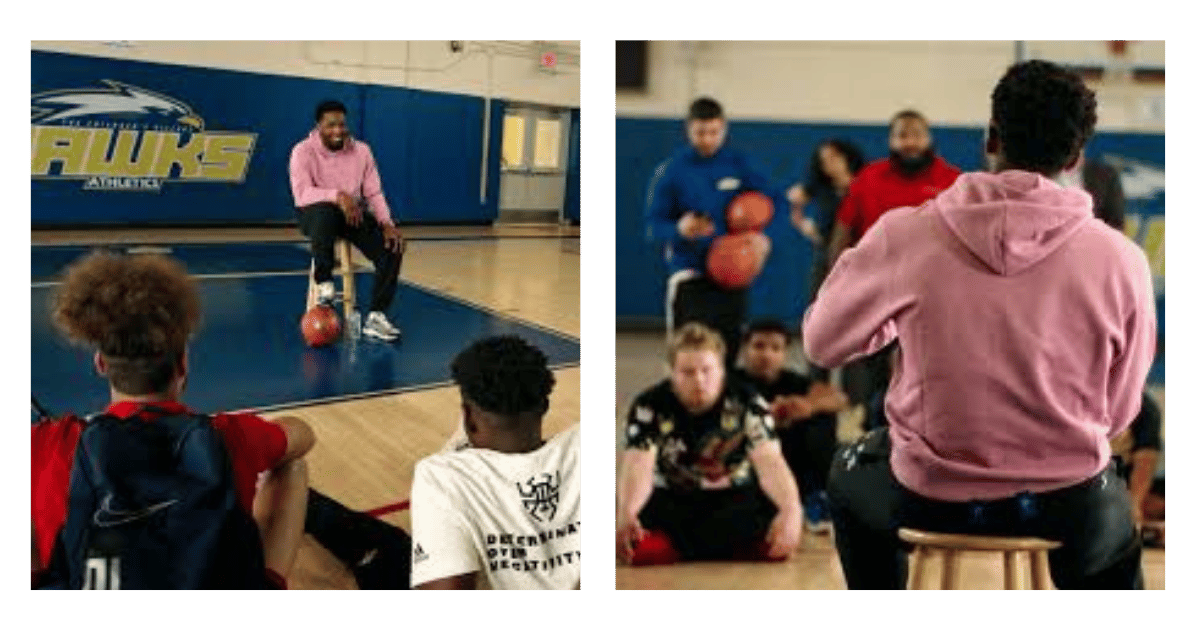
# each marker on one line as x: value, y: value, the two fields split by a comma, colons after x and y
x: 512, y: 517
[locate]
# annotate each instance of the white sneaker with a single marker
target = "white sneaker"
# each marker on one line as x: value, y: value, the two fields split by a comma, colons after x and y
x: 379, y: 327
x: 325, y: 293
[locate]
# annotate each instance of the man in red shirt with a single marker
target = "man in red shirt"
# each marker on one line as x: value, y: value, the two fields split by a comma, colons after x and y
x: 138, y: 312
x: 912, y: 174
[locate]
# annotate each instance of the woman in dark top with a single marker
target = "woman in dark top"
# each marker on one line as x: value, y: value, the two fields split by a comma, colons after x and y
x: 833, y: 166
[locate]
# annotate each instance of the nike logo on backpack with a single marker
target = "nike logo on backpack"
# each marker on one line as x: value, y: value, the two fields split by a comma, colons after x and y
x: 120, y: 517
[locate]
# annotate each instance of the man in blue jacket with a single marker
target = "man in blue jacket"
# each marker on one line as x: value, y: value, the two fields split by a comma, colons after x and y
x: 686, y: 211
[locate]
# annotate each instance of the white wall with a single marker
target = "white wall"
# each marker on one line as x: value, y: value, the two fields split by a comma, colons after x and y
x: 951, y: 82
x: 515, y: 73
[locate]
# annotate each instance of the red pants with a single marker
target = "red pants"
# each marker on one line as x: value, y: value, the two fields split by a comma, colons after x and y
x: 656, y: 548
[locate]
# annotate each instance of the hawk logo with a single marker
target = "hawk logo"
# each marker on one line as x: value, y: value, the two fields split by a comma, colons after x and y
x: 119, y: 101
x: 419, y: 554
x: 1147, y: 183
x: 540, y: 496
x: 1139, y: 180
x: 124, y: 137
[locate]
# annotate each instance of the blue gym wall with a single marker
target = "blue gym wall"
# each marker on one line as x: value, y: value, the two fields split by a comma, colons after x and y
x: 782, y: 289
x: 427, y: 146
x: 571, y: 205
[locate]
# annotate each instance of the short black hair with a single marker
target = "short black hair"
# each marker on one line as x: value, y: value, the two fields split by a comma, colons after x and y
x: 506, y: 376
x: 705, y: 108
x: 908, y: 114
x: 772, y: 326
x: 324, y: 107
x: 1043, y: 114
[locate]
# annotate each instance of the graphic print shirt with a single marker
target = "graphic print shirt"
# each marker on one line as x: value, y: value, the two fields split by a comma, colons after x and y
x: 512, y: 517
x: 708, y: 451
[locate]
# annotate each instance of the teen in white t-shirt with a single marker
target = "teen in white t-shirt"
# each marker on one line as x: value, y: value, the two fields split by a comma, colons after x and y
x: 504, y: 506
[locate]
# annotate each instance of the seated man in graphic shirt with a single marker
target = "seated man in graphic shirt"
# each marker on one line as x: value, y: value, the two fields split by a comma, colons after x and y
x: 703, y: 476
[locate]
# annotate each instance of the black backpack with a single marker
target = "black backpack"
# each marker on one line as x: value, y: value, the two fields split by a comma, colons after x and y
x: 153, y: 506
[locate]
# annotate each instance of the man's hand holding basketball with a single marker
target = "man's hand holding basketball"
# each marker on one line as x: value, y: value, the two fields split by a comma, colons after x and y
x: 694, y: 225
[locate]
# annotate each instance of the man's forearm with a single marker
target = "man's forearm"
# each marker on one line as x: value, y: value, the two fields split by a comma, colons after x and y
x: 825, y: 399
x: 838, y: 242
x: 1141, y: 476
x: 637, y: 483
x: 775, y: 479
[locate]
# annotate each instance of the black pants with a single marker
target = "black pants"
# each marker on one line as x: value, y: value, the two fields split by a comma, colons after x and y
x: 704, y: 301
x: 378, y: 554
x: 1101, y: 548
x: 324, y: 223
x: 710, y: 524
x: 808, y: 447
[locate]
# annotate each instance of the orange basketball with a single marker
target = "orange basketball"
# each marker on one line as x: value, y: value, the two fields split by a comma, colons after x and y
x: 320, y: 326
x: 734, y: 260
x: 749, y: 212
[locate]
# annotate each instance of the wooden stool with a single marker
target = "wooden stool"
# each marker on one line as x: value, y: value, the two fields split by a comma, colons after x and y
x: 1154, y: 534
x: 951, y: 544
x: 345, y: 269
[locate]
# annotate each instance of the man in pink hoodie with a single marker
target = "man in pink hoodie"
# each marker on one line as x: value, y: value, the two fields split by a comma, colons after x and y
x: 1026, y: 331
x: 333, y: 176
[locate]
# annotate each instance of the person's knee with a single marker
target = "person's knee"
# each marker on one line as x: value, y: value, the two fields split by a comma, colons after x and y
x: 322, y: 218
x: 294, y: 472
x: 323, y: 208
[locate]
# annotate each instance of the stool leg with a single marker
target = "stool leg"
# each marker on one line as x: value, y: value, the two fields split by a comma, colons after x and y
x: 312, y: 288
x: 949, y: 569
x: 1010, y: 570
x: 1039, y: 568
x: 347, y: 280
x: 918, y: 568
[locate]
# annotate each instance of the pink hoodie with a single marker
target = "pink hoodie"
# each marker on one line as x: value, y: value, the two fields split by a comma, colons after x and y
x: 1026, y: 328
x: 318, y: 174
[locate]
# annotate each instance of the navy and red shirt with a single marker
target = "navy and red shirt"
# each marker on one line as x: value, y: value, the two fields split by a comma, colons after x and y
x: 255, y: 445
x: 879, y: 187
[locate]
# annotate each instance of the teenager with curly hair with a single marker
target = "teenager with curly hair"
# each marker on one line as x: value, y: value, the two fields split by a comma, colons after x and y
x: 138, y: 313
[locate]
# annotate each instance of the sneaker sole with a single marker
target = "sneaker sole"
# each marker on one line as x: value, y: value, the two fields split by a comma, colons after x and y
x: 379, y: 335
